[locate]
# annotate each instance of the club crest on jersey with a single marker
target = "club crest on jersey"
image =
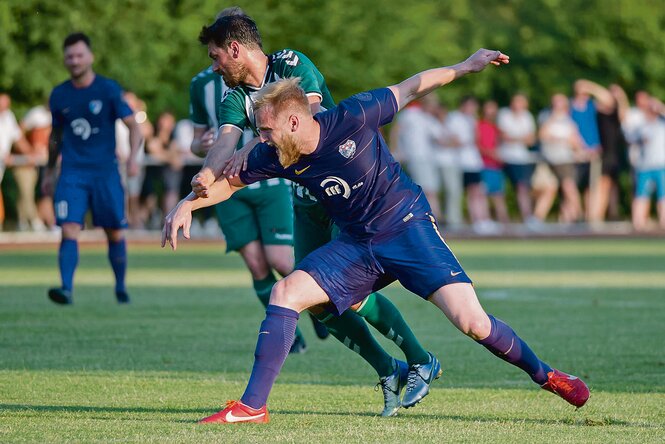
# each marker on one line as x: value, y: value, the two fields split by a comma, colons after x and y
x: 95, y: 106
x: 348, y: 149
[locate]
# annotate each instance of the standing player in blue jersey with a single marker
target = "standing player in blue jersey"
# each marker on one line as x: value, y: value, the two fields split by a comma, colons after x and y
x: 84, y: 110
x: 388, y: 231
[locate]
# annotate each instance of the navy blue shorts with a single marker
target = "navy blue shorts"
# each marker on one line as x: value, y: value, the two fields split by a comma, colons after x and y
x: 519, y: 174
x: 102, y: 194
x: 416, y: 256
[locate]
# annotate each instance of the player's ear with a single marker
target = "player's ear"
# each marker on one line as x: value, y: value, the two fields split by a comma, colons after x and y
x: 294, y: 123
x: 234, y: 47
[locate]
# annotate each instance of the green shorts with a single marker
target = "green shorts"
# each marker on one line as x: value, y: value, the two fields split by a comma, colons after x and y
x: 261, y: 213
x: 312, y: 227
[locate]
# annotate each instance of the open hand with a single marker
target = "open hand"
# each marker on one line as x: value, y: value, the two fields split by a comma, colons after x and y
x: 237, y: 162
x: 180, y: 216
x: 483, y: 57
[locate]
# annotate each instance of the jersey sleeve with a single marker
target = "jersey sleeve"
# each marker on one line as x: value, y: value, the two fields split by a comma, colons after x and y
x: 372, y: 108
x: 232, y: 110
x: 120, y: 106
x: 291, y: 64
x: 56, y: 114
x: 262, y: 164
x: 197, y: 110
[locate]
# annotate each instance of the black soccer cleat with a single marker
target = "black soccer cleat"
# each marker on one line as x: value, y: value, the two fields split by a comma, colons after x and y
x: 319, y: 328
x: 298, y: 346
x: 60, y: 296
x: 122, y: 297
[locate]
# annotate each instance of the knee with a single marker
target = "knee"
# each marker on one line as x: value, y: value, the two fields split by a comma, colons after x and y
x: 115, y: 235
x: 70, y: 231
x: 282, y: 295
x: 476, y: 327
x: 258, y: 266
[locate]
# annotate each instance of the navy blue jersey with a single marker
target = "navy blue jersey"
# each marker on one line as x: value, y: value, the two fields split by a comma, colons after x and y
x: 351, y: 172
x: 87, y: 118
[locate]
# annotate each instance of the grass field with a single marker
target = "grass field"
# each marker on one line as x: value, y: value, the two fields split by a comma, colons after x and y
x: 96, y: 371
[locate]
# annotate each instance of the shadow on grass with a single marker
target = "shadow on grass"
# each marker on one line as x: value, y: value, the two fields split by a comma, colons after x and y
x: 96, y: 409
x: 576, y: 422
x: 585, y: 421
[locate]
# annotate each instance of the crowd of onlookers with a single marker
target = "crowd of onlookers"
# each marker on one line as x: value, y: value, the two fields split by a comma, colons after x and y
x: 575, y: 161
x: 569, y: 163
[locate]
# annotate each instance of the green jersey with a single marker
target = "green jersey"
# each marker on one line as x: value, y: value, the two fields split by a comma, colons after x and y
x: 237, y: 104
x: 206, y: 92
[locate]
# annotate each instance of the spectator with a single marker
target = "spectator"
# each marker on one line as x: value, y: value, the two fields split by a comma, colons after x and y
x: 415, y: 132
x: 611, y: 144
x: 632, y: 120
x: 518, y: 131
x: 10, y: 134
x: 560, y: 144
x: 133, y: 183
x: 36, y: 125
x: 446, y: 158
x: 584, y: 113
x: 649, y: 167
x: 492, y: 174
x: 163, y: 172
x: 462, y: 124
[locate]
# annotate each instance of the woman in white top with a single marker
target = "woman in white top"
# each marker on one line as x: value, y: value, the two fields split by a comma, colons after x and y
x: 518, y: 131
x: 561, y: 145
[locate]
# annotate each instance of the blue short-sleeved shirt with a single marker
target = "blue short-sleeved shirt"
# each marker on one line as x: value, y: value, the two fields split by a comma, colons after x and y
x: 351, y: 172
x: 587, y: 123
x: 87, y: 118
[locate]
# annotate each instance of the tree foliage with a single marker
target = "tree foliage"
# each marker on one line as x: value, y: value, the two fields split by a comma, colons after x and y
x: 151, y: 47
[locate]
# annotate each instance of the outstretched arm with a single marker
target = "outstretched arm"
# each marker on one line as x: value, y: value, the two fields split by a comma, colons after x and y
x: 220, y: 151
x: 427, y: 81
x: 604, y: 101
x: 181, y: 215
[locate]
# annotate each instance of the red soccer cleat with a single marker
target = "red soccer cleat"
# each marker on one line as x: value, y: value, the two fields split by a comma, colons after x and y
x: 236, y: 411
x: 571, y: 388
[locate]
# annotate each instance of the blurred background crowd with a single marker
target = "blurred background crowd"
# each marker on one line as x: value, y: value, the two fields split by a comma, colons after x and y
x: 528, y: 146
x: 589, y: 158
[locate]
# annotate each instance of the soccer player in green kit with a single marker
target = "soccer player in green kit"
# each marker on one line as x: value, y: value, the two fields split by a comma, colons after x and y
x: 234, y: 45
x: 258, y: 221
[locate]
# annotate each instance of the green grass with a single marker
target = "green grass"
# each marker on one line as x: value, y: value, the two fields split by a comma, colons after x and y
x: 145, y: 373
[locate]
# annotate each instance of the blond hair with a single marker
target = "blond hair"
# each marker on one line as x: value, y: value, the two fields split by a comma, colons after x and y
x: 281, y: 95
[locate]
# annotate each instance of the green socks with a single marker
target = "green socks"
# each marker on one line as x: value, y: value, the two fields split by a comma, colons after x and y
x: 352, y: 331
x: 263, y: 287
x: 386, y: 318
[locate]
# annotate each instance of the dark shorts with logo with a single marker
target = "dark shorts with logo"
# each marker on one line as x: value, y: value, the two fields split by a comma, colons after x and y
x: 264, y: 214
x: 416, y: 256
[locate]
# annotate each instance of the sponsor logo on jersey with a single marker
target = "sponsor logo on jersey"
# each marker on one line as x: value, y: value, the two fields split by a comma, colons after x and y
x: 95, y: 106
x: 336, y: 186
x: 81, y: 128
x: 348, y: 149
x: 299, y: 172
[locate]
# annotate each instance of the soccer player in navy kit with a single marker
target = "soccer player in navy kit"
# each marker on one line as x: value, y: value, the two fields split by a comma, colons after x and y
x: 388, y: 231
x: 84, y: 110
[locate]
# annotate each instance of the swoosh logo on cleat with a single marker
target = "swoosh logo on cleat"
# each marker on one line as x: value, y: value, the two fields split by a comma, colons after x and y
x: 230, y: 417
x: 299, y: 172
